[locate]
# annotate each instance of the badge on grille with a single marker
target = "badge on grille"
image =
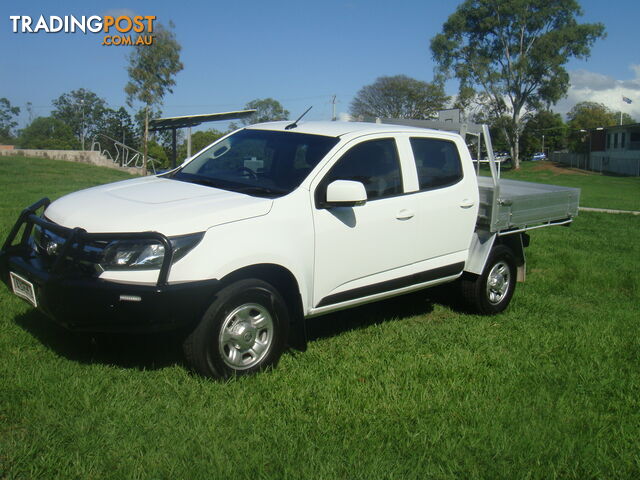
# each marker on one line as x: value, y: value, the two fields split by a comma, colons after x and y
x: 52, y: 248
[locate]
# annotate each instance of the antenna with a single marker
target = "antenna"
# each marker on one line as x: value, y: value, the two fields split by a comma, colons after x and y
x: 295, y: 124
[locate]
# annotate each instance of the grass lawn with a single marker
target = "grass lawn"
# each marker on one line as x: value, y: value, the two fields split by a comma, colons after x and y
x: 600, y: 191
x: 406, y: 388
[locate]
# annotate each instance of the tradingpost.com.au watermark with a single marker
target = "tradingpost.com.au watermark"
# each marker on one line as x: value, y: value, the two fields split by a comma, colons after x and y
x: 118, y: 30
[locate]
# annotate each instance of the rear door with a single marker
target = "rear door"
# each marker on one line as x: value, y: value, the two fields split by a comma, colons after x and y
x: 447, y: 200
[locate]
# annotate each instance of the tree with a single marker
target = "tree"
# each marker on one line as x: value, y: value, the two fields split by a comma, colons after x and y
x: 399, y: 97
x: 199, y: 140
x: 544, y: 124
x: 156, y: 151
x: 82, y: 110
x: 152, y: 70
x: 267, y: 110
x: 586, y: 115
x: 589, y: 115
x: 119, y: 126
x: 48, y: 133
x: 8, y: 120
x: 513, y: 54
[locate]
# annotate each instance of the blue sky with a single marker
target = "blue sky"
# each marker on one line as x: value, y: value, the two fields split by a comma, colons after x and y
x: 298, y: 52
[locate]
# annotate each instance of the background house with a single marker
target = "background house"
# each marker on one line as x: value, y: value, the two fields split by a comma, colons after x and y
x: 613, y: 149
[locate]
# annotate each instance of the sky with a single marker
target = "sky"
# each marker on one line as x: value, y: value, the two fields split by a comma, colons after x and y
x: 298, y: 52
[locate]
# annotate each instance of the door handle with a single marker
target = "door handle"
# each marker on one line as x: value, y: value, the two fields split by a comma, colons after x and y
x: 466, y: 203
x: 405, y: 214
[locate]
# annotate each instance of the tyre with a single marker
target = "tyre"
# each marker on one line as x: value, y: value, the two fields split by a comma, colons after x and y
x: 243, y: 331
x: 491, y: 292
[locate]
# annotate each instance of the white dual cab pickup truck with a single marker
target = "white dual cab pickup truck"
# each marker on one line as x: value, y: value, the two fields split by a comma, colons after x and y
x: 273, y: 224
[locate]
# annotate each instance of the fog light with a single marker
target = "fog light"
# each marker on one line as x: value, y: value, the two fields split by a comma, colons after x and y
x: 130, y: 298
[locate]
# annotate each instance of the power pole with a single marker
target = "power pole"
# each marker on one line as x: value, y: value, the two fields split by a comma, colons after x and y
x: 82, y: 131
x: 146, y: 138
x: 333, y: 109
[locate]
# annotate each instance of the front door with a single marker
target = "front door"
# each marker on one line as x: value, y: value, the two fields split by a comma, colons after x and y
x: 359, y: 247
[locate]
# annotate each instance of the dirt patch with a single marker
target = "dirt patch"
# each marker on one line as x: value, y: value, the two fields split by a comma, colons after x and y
x: 558, y: 169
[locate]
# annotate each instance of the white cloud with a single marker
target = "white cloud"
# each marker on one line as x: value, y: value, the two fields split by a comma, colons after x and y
x: 596, y: 87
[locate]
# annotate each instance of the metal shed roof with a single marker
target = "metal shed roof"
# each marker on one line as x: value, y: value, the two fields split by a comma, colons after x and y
x: 167, y: 123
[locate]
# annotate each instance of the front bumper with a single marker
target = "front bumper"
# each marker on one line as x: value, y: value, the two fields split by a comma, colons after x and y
x: 79, y: 301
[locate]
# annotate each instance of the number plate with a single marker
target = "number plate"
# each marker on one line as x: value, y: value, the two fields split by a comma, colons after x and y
x: 23, y: 288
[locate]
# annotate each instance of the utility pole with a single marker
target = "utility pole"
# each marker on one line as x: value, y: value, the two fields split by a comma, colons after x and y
x: 333, y: 109
x: 189, y: 143
x: 146, y: 139
x: 543, y: 143
x: 82, y: 132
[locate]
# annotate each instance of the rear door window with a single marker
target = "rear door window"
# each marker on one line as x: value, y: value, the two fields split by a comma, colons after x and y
x: 437, y: 162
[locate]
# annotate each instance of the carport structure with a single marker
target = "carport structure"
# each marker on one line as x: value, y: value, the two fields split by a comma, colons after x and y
x: 188, y: 121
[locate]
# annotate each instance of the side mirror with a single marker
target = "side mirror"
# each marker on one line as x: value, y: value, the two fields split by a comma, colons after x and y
x: 345, y: 193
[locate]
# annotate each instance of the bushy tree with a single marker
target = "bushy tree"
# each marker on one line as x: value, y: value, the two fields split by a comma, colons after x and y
x: 83, y: 111
x: 585, y: 116
x: 157, y: 152
x: 267, y: 110
x: 199, y: 140
x: 399, y: 97
x: 544, y: 123
x: 513, y: 53
x: 48, y: 133
x: 117, y: 126
x: 8, y: 120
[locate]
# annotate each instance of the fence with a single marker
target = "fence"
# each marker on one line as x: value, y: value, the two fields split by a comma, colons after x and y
x: 121, y: 154
x: 597, y: 162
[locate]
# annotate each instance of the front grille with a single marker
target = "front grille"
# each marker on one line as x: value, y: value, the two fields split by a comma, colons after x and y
x: 61, y: 250
x: 82, y: 257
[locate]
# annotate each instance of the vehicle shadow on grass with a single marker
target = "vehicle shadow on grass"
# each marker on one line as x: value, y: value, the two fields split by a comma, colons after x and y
x: 397, y: 308
x: 157, y: 351
x: 142, y: 352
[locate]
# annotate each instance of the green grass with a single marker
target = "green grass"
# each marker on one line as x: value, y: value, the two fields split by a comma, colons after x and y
x: 600, y: 191
x: 24, y: 180
x: 407, y: 388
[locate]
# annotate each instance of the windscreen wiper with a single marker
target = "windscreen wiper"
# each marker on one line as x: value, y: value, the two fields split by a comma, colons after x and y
x: 258, y: 190
x: 209, y: 182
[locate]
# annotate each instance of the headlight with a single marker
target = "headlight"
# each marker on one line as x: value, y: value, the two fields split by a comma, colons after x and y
x: 145, y: 254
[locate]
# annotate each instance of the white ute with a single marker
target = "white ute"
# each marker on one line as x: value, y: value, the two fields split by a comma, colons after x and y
x: 276, y: 223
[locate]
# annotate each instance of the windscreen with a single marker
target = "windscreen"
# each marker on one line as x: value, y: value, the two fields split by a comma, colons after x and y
x: 258, y: 162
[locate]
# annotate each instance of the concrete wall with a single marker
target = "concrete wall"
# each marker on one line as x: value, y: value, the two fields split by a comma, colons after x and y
x: 90, y: 157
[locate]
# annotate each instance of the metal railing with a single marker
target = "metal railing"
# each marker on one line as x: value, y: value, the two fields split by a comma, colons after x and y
x: 125, y: 156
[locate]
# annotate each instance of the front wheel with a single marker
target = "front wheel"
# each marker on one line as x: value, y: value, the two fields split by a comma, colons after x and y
x: 491, y: 292
x: 243, y: 331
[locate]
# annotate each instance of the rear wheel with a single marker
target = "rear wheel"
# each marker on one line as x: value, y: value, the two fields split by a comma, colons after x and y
x: 243, y: 331
x: 491, y: 292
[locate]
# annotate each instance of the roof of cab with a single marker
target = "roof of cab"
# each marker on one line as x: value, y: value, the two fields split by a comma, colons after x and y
x: 337, y: 129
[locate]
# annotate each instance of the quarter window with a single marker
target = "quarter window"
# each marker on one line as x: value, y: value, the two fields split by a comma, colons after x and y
x: 437, y: 162
x: 375, y: 163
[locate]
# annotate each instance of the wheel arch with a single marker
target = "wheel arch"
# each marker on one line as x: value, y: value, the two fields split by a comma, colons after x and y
x: 287, y: 285
x: 517, y: 243
x: 483, y: 243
